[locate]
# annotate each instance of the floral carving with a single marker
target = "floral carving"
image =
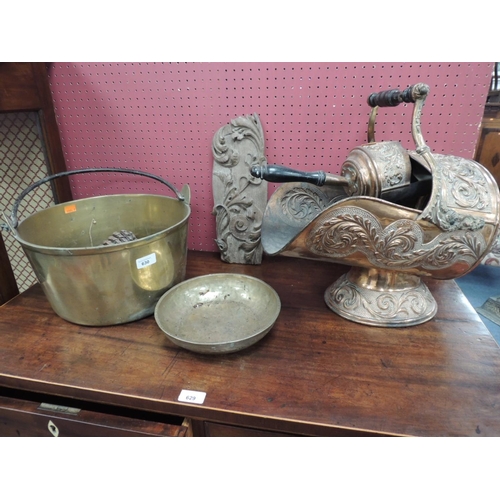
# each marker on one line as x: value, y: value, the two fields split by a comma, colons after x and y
x: 238, y: 219
x: 239, y: 198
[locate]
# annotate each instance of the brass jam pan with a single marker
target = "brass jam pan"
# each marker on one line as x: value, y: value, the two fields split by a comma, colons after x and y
x: 218, y: 313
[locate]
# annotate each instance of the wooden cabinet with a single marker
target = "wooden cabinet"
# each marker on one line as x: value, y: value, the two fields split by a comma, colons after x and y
x: 211, y: 429
x: 24, y: 86
x: 23, y: 416
x: 314, y: 374
x: 488, y: 146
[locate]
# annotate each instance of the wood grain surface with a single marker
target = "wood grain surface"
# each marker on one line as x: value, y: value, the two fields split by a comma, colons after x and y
x: 313, y: 374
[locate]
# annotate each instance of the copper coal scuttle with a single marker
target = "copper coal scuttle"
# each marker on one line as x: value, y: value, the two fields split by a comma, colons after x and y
x: 394, y: 215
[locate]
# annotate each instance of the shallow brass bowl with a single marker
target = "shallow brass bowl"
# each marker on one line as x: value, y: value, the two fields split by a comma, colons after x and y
x: 218, y: 313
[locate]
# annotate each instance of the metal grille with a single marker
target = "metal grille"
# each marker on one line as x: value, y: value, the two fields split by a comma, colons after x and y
x: 22, y: 162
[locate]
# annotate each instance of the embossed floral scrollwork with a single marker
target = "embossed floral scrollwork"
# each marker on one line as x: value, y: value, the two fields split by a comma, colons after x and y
x: 378, y: 307
x: 392, y: 160
x: 302, y: 204
x: 399, y: 245
x: 466, y: 184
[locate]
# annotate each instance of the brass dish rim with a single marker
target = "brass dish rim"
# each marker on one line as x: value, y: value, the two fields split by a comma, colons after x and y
x: 233, y: 344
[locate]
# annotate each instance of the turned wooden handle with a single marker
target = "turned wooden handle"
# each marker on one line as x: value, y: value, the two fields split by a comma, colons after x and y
x: 394, y: 97
x: 277, y: 173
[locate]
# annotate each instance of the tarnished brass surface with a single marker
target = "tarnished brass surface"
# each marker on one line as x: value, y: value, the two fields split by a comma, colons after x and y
x: 218, y: 313
x: 89, y: 283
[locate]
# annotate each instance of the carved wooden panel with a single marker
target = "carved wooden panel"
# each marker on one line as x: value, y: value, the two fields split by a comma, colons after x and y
x: 239, y: 198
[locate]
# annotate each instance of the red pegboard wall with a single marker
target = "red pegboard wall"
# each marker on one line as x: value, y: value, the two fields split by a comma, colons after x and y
x: 161, y: 118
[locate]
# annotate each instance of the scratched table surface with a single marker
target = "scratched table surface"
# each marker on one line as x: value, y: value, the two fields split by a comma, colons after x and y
x: 313, y: 374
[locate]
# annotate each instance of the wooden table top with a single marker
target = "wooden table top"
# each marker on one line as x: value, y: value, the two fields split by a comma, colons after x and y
x: 314, y: 373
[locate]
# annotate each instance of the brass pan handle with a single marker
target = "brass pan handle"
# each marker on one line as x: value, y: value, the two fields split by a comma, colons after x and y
x: 13, y: 222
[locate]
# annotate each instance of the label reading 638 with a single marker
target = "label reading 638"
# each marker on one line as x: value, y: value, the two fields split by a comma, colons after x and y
x: 146, y: 261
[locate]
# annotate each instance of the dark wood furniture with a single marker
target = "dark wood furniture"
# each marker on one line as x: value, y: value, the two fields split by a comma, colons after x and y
x: 488, y: 145
x: 24, y: 86
x: 313, y: 374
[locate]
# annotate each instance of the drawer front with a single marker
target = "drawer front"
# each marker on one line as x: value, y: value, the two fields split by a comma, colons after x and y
x: 221, y: 430
x: 33, y: 419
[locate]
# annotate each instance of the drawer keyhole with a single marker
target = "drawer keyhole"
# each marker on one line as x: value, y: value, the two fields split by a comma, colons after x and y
x: 53, y: 429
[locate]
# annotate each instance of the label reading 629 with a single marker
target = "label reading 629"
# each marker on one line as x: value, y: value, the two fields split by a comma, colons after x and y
x: 188, y: 396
